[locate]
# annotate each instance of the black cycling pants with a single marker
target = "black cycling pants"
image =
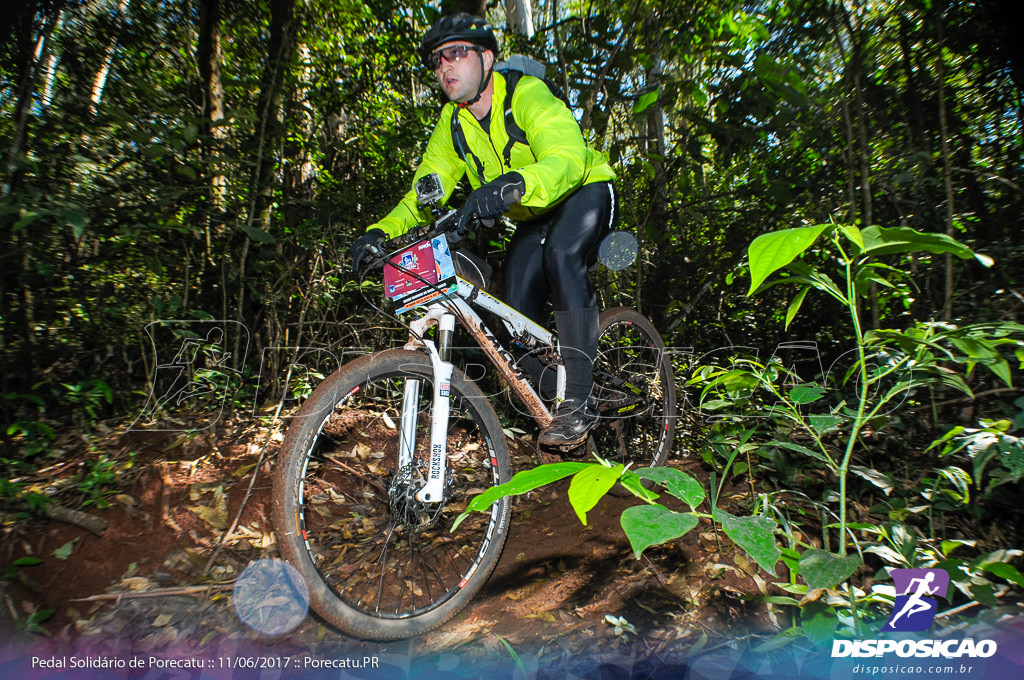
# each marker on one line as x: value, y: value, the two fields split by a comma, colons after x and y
x: 548, y: 258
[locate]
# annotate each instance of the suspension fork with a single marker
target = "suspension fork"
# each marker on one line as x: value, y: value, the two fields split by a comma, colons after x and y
x: 433, y: 490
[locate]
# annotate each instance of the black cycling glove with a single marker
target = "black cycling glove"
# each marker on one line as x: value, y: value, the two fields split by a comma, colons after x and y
x: 361, y: 246
x: 493, y: 199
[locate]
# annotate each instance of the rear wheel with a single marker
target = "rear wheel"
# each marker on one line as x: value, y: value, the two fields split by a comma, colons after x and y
x: 635, y: 389
x: 379, y: 563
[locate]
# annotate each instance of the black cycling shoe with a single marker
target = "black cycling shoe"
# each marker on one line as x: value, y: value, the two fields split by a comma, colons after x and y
x: 571, y: 423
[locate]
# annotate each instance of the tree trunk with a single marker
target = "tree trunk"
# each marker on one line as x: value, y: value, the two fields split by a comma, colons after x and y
x: 31, y: 66
x: 209, y: 57
x: 847, y: 118
x: 268, y: 135
x: 50, y: 72
x: 947, y: 169
x: 100, y: 81
x: 913, y: 90
x: 851, y: 169
x: 854, y: 74
x: 33, y: 30
x: 519, y: 14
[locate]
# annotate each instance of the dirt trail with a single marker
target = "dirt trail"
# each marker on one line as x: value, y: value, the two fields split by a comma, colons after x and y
x: 561, y: 588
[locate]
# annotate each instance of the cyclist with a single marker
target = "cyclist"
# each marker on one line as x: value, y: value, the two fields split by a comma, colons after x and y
x: 557, y: 189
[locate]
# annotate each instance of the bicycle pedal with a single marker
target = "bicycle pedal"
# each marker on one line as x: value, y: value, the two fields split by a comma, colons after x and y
x: 572, y: 450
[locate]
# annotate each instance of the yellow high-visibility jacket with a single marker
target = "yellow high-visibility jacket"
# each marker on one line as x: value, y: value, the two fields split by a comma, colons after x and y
x: 554, y: 164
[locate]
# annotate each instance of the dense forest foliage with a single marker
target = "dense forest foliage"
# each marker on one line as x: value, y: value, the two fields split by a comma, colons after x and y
x: 213, y: 159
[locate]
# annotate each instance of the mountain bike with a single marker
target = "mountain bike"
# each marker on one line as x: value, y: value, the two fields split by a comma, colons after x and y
x: 388, y: 450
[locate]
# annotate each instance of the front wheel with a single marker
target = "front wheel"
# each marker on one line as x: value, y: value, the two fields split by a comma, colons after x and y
x: 635, y: 390
x: 379, y: 563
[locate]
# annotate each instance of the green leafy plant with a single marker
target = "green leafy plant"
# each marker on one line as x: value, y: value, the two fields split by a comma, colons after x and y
x: 102, y: 475
x: 887, y: 366
x: 89, y: 396
x: 31, y: 624
x: 644, y: 525
x: 35, y: 436
x: 881, y: 372
x: 29, y: 430
x: 997, y: 456
x: 11, y: 570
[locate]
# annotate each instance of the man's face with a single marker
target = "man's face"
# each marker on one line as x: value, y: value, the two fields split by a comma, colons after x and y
x: 458, y: 69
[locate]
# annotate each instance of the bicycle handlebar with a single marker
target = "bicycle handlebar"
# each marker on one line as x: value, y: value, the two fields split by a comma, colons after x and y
x: 445, y: 224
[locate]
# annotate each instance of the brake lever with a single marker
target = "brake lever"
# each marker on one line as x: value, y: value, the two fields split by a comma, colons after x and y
x: 378, y: 255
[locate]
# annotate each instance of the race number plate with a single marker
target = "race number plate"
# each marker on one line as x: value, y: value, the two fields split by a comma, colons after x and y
x: 419, y: 274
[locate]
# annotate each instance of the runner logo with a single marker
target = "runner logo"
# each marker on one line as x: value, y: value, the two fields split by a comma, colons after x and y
x: 914, y: 609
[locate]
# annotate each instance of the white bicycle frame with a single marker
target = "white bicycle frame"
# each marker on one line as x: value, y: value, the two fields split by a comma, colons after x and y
x: 443, y: 313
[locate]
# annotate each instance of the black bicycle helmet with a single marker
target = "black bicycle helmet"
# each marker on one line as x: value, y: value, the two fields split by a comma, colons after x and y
x: 459, y: 26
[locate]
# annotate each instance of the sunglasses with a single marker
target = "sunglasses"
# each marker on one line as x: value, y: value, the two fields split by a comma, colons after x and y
x: 450, y: 54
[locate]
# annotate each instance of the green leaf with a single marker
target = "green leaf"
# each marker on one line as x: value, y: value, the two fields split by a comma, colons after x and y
x: 805, y: 394
x: 189, y: 173
x: 27, y: 217
x: 26, y: 562
x: 822, y: 569
x: 786, y: 637
x: 258, y: 235
x: 950, y: 545
x: 76, y: 219
x: 986, y: 354
x: 676, y: 482
x: 1006, y: 571
x: 818, y: 621
x: 590, y: 485
x: 882, y: 481
x: 795, y: 588
x: 524, y: 481
x: 817, y: 455
x: 756, y: 535
x: 644, y: 102
x: 823, y: 422
x: 634, y: 484
x: 11, y: 570
x: 853, y: 234
x: 887, y: 241
x: 794, y: 305
x: 648, y: 525
x: 984, y: 593
x: 780, y: 600
x: 1011, y: 454
x: 64, y: 552
x: 103, y: 388
x: 770, y: 252
x: 960, y: 480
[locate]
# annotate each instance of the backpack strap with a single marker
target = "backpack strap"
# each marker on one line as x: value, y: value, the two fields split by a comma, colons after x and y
x: 512, y: 129
x: 462, y: 146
